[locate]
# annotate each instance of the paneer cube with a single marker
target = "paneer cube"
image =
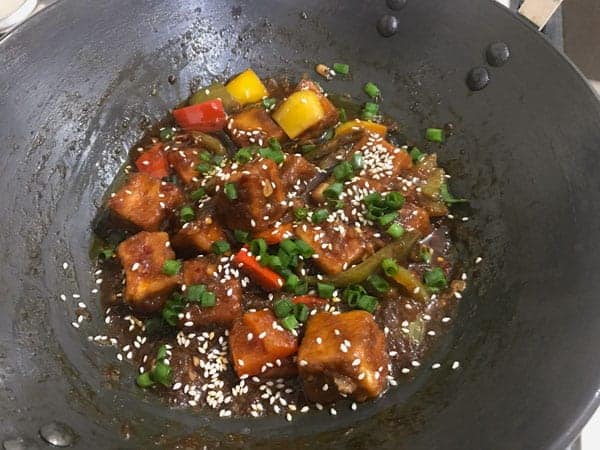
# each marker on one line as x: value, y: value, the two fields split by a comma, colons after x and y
x: 343, y: 354
x: 382, y: 160
x: 185, y: 161
x: 198, y: 235
x: 258, y: 343
x: 145, y: 201
x: 296, y: 173
x: 336, y: 245
x: 143, y: 257
x: 204, y: 270
x: 253, y: 126
x: 260, y: 193
x: 413, y: 217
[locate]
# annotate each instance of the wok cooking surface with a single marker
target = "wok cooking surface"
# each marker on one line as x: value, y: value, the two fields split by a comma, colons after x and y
x: 80, y: 81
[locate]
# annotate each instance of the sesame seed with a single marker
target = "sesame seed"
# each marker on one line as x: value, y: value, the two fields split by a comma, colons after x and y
x: 455, y: 365
x: 478, y: 260
x: 333, y: 412
x: 435, y: 366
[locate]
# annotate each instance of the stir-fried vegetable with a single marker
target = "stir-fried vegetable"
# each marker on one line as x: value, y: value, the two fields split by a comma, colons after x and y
x: 263, y: 276
x: 208, y: 116
x: 247, y: 88
x: 209, y: 142
x: 215, y: 91
x: 398, y: 249
x: 357, y: 124
x: 411, y: 283
x: 299, y: 112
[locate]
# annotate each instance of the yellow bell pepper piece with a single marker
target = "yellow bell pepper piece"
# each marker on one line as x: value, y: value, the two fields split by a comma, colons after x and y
x: 300, y: 111
x: 247, y: 88
x: 356, y: 124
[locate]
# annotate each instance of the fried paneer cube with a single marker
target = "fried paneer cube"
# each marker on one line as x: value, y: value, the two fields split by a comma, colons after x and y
x: 185, y: 162
x: 382, y: 160
x: 145, y: 201
x: 199, y: 234
x: 143, y: 257
x: 260, y: 193
x: 227, y: 289
x: 260, y: 346
x: 253, y: 126
x: 296, y: 173
x: 336, y: 245
x: 343, y: 354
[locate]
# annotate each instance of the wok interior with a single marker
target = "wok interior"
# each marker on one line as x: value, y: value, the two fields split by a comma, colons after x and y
x: 522, y: 156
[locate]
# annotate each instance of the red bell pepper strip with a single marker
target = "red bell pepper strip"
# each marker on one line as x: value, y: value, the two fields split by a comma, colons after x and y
x: 263, y: 276
x: 207, y: 116
x: 153, y: 162
x: 311, y: 301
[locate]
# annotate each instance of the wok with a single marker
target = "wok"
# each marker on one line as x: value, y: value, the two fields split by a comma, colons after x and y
x: 78, y: 84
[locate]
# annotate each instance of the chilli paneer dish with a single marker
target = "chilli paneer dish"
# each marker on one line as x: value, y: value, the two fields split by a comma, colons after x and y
x: 275, y: 249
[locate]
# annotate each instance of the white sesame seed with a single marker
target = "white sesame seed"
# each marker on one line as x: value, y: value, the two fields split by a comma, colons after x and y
x: 455, y: 365
x: 435, y: 366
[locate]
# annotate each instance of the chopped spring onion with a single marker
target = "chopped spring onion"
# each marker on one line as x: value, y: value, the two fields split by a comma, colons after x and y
x: 166, y: 134
x: 372, y: 90
x: 371, y: 107
x: 343, y: 115
x: 283, y: 308
x: 387, y: 219
x: 291, y: 282
x: 186, y: 214
x: 343, y: 171
x: 203, y: 167
x: 342, y: 69
x: 143, y: 380
x: 205, y: 156
x: 435, y: 279
x: 220, y: 247
x: 390, y: 267
x: 163, y: 374
x: 305, y: 250
x: 325, y: 290
x: 272, y: 154
x: 367, y: 303
x: 289, y: 322
x: 434, y: 134
x: 198, y: 194
x: 357, y: 161
x: 301, y: 312
x: 447, y: 196
x: 195, y: 291
x: 395, y: 230
x: 300, y: 213
x: 230, y: 191
x: 333, y: 191
x: 268, y: 103
x: 416, y: 155
x: 320, y: 215
x: 379, y: 283
x: 258, y: 247
x: 394, y: 200
x: 171, y: 267
x: 241, y: 236
x: 245, y: 154
x: 208, y: 300
x: 106, y: 253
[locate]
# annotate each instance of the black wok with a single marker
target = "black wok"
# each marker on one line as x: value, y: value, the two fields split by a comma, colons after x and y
x: 78, y: 83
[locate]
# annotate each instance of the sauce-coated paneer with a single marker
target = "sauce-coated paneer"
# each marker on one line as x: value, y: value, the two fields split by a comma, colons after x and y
x: 343, y: 354
x: 185, y: 161
x: 198, y: 235
x: 259, y: 191
x: 336, y: 244
x: 143, y: 257
x: 260, y: 346
x: 145, y: 201
x: 204, y: 270
x: 254, y: 126
x: 296, y: 173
